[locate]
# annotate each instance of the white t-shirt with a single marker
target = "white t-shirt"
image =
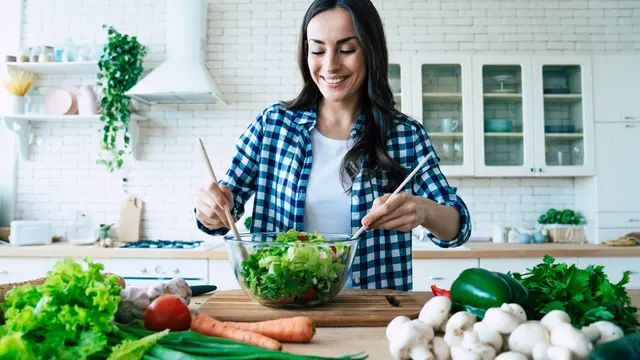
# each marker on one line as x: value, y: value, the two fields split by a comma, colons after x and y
x: 327, y: 205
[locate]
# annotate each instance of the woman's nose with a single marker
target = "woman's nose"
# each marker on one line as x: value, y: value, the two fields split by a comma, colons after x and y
x: 332, y: 62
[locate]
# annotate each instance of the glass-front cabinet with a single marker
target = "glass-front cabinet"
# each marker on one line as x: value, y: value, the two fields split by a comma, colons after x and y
x: 400, y: 81
x: 504, y: 135
x: 563, y: 116
x: 442, y: 102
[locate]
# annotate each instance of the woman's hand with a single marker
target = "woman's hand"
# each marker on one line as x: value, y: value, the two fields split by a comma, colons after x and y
x: 403, y: 212
x: 210, y: 205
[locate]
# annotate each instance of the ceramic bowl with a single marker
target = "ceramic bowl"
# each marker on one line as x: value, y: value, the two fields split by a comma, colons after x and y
x: 498, y: 125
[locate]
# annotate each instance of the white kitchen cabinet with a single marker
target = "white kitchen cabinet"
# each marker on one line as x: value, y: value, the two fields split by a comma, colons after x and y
x: 146, y: 272
x: 14, y: 270
x: 442, y: 100
x: 616, y: 78
x: 221, y: 274
x: 615, y: 267
x: 519, y: 265
x: 439, y: 272
x: 400, y: 81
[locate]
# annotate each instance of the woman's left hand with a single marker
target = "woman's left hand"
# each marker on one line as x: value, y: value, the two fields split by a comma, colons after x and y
x: 403, y: 212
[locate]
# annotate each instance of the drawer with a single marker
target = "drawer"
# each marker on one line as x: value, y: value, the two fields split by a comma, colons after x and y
x: 612, y: 234
x: 189, y: 269
x: 614, y: 268
x: 221, y: 275
x: 23, y: 269
x: 439, y: 272
x: 619, y: 220
x: 519, y: 265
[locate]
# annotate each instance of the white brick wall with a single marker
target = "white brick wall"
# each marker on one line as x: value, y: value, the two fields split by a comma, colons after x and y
x: 251, y: 53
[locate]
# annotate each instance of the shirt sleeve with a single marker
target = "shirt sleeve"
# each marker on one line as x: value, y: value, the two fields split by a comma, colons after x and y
x: 241, y: 175
x: 430, y: 182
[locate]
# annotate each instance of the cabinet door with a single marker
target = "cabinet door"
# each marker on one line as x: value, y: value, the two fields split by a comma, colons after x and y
x: 618, y: 167
x: 400, y: 81
x: 614, y: 268
x: 439, y: 272
x: 563, y: 105
x: 504, y: 141
x: 616, y: 78
x: 221, y: 275
x: 14, y: 270
x: 519, y: 265
x: 442, y: 100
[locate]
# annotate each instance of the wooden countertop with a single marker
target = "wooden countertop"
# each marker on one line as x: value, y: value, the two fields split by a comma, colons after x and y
x: 477, y: 250
x: 339, y: 341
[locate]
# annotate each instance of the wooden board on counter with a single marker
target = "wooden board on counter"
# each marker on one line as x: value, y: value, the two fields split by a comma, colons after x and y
x: 349, y: 308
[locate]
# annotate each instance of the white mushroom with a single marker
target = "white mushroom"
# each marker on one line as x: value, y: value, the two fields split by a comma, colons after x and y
x: 544, y: 351
x: 409, y: 338
x: 471, y: 348
x: 511, y: 355
x: 553, y: 318
x: 488, y: 335
x: 566, y: 336
x: 515, y: 309
x: 526, y: 336
x: 602, y: 331
x: 456, y: 326
x: 503, y: 319
x: 436, y: 311
x: 439, y: 348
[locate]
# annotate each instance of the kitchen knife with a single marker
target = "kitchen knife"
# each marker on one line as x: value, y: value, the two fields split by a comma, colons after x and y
x: 197, y: 290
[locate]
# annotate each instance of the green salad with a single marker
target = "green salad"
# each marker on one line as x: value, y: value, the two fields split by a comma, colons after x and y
x: 295, y: 272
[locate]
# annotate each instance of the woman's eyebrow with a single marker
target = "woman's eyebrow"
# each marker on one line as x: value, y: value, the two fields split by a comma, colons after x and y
x: 344, y: 40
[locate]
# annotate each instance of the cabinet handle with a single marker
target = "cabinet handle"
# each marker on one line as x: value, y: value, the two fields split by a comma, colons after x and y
x: 540, y: 170
x: 533, y: 170
x: 176, y: 271
x: 633, y: 272
x: 436, y: 278
x: 143, y: 270
x: 628, y: 118
x: 4, y: 272
x: 633, y: 220
x: 628, y: 126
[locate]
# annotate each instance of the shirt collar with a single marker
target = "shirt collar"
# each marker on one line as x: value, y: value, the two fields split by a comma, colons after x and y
x: 309, y: 117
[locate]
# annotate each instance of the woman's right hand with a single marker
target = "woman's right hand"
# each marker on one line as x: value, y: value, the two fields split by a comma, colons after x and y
x: 210, y: 205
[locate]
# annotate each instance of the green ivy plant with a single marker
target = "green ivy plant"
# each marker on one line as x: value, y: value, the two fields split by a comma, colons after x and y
x: 120, y: 68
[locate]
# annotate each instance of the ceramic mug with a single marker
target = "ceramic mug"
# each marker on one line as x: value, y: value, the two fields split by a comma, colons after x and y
x: 525, y: 238
x: 449, y: 125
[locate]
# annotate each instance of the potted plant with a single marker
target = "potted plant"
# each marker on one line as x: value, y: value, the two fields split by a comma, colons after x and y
x: 563, y: 226
x: 120, y: 68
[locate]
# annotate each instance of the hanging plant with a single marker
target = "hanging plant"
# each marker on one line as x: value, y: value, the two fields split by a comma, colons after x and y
x: 120, y: 68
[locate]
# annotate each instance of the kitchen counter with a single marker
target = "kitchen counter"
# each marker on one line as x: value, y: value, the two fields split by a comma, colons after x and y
x: 340, y: 341
x: 217, y: 250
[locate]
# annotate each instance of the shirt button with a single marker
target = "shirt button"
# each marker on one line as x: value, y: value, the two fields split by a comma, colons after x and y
x: 354, y: 198
x: 357, y: 280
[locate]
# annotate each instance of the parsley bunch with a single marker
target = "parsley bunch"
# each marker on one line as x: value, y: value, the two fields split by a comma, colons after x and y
x: 586, y: 295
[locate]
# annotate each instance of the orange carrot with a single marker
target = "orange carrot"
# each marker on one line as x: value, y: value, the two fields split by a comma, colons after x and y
x: 294, y: 329
x: 207, y: 325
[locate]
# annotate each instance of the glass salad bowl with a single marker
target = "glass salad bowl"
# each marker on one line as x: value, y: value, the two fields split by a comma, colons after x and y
x: 292, y: 269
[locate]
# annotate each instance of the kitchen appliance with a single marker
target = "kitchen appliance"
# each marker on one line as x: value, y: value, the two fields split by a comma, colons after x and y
x: 30, y: 232
x: 348, y: 308
x: 183, y: 77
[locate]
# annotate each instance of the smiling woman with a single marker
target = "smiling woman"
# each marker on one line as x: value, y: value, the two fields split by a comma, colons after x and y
x: 328, y: 160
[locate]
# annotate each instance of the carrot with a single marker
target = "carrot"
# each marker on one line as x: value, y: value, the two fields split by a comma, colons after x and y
x: 294, y: 329
x: 207, y: 325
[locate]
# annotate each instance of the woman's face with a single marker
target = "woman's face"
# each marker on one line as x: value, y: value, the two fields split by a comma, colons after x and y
x: 335, y: 58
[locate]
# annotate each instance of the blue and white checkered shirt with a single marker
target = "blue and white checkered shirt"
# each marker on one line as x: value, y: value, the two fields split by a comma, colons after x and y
x: 273, y: 161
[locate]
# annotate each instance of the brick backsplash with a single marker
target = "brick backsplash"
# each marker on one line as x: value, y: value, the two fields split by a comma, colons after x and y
x: 250, y: 52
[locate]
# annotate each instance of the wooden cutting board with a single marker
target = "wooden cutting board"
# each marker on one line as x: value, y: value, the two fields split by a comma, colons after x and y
x: 348, y: 308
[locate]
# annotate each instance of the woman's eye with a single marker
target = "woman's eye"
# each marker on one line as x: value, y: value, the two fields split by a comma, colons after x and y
x: 347, y: 52
x: 317, y: 52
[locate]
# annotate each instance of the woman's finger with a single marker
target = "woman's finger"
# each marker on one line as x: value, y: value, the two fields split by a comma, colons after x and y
x: 388, y: 204
x: 210, y: 223
x: 218, y: 196
x: 405, y: 209
x: 222, y: 216
x: 204, y: 208
x: 401, y: 223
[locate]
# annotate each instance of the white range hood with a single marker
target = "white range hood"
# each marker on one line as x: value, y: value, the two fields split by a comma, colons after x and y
x: 183, y: 77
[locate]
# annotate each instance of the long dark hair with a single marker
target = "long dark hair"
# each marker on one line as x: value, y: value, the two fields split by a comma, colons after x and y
x: 376, y: 98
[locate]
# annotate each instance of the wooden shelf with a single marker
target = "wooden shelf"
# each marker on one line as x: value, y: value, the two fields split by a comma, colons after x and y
x: 503, y: 134
x: 21, y: 125
x: 504, y: 97
x: 441, y: 98
x: 563, y: 98
x: 569, y: 136
x: 451, y: 135
x: 77, y: 67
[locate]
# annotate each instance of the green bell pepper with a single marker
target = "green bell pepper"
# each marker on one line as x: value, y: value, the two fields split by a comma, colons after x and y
x: 475, y: 290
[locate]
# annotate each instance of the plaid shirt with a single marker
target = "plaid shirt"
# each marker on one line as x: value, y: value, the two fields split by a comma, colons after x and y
x: 273, y: 161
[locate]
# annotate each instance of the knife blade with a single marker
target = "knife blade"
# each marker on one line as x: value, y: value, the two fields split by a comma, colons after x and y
x: 197, y: 290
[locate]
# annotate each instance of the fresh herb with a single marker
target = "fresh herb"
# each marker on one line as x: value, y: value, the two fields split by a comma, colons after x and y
x: 69, y: 316
x: 295, y: 270
x: 565, y: 217
x: 586, y: 295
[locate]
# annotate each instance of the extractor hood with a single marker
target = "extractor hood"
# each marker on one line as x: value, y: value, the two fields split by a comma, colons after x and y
x: 183, y: 76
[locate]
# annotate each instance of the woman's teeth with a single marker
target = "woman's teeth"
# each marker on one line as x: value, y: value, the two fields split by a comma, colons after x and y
x: 335, y: 81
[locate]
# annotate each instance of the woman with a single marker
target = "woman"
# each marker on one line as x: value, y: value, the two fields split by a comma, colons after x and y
x: 329, y: 159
